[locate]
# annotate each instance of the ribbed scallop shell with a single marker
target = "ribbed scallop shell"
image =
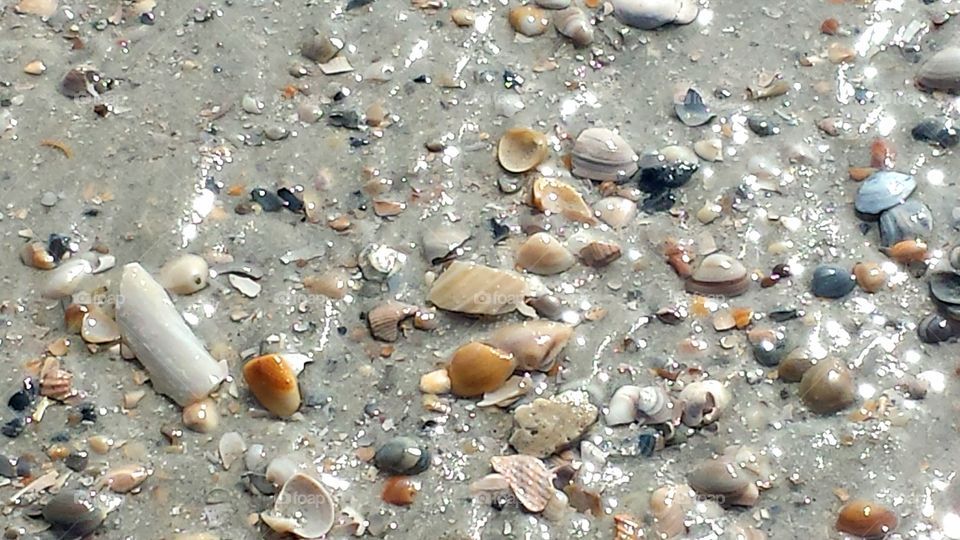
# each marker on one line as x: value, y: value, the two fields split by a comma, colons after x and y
x: 385, y: 319
x: 528, y: 477
x: 602, y: 155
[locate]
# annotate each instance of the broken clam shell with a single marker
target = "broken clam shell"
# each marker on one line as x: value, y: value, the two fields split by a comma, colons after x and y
x: 555, y: 197
x: 522, y: 149
x: 303, y: 507
x: 602, y: 155
x: 528, y: 477
x: 535, y: 345
x: 476, y: 289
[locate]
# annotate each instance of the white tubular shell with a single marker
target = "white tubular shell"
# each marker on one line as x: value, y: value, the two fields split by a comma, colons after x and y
x: 179, y: 365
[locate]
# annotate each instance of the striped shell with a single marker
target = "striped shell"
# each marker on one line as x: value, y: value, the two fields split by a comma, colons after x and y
x: 528, y: 477
x: 385, y: 319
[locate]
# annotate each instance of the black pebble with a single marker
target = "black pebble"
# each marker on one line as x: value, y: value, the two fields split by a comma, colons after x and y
x: 58, y: 245
x: 148, y: 18
x: 936, y: 130
x: 354, y: 4
x: 20, y: 400
x: 268, y: 200
x: 91, y: 212
x: 499, y: 230
x: 659, y: 202
x: 88, y: 411
x: 357, y: 142
x: 13, y: 427
x: 421, y: 79
x: 763, y: 127
x: 344, y: 119
x: 511, y: 79
x: 62, y: 436
x: 290, y: 199
x: 77, y: 460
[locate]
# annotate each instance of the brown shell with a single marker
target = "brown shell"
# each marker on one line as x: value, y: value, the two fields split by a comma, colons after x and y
x: 476, y: 368
x: 476, y: 289
x: 398, y: 490
x: 907, y: 251
x: 827, y: 387
x: 385, y: 319
x: 866, y: 518
x: 273, y: 383
x: 543, y: 254
x: 599, y: 254
x: 529, y: 478
x: 55, y: 383
x: 534, y: 345
x: 870, y: 276
x: 35, y: 254
x: 794, y: 365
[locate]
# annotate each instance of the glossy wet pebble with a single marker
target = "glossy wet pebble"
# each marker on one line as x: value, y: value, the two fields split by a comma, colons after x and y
x: 938, y: 130
x: 867, y: 519
x: 273, y: 381
x: 827, y: 387
x: 945, y: 287
x: 402, y: 455
x: 941, y: 71
x: 883, y: 190
x: 76, y: 513
x: 832, y: 281
x: 651, y: 14
x: 870, y: 276
x: 911, y: 220
x: 268, y: 200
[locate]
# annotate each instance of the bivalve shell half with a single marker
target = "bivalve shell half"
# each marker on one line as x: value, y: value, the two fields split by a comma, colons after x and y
x: 832, y: 281
x: 303, y: 507
x: 941, y: 71
x: 867, y: 519
x: 719, y: 274
x: 543, y: 254
x: 719, y: 477
x: 556, y: 197
x: 125, y: 478
x: 67, y: 278
x: 478, y: 290
x: 384, y: 319
x: 77, y: 512
x: 528, y: 478
x: 186, y: 274
x: 616, y: 212
x: 652, y: 14
x: 883, y: 190
x: 827, y: 387
x: 273, y: 381
x: 35, y: 255
x: 911, y: 220
x: 535, y: 345
x: 602, y: 155
x: 476, y: 368
x: 529, y: 21
x: 98, y: 327
x: 522, y: 149
x: 573, y: 23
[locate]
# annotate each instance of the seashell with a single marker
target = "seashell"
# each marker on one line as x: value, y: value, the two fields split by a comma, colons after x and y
x: 553, y: 4
x: 703, y: 402
x: 303, y: 507
x: 692, y: 111
x: 794, y: 365
x: 941, y: 71
x: 83, y: 82
x: 769, y: 346
x: 320, y: 49
x: 384, y: 320
x: 870, y: 276
x: 463, y: 17
x: 41, y: 8
x: 831, y: 281
x: 934, y: 328
x: 669, y: 506
x: 535, y: 345
x: 440, y: 243
x: 185, y: 274
x: 602, y: 155
x: 622, y: 408
x: 98, y: 327
x: 907, y: 251
x: 55, y: 383
x: 515, y: 388
x: 282, y: 468
x: 545, y: 255
x: 573, y: 23
x: 201, y: 416
x: 402, y: 455
x: 528, y: 478
x: 616, y: 212
x: 719, y: 477
x: 435, y: 382
x: 945, y: 289
x: 273, y: 381
x: 911, y: 220
x: 670, y: 168
x: 35, y: 255
x: 476, y: 368
x: 599, y: 254
x: 231, y: 447
x: 774, y: 88
x: 398, y: 490
x: 709, y: 149
x: 332, y: 284
x: 521, y: 149
x: 939, y: 130
x: 865, y: 518
x: 378, y: 262
x: 77, y: 512
x: 67, y: 278
x: 719, y: 274
x: 555, y: 197
x: 529, y: 21
x: 827, y: 387
x: 125, y: 478
x: 151, y: 326
x: 652, y: 14
x: 883, y: 190
x: 654, y: 406
x: 476, y: 289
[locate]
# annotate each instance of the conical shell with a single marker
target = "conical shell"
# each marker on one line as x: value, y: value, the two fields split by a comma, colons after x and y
x: 522, y: 149
x: 303, y: 507
x: 185, y: 274
x: 385, y: 319
x: 274, y: 383
x: 941, y: 71
x: 622, y: 408
x: 476, y: 289
x: 556, y: 197
x: 528, y: 477
x: 545, y: 255
x: 867, y: 519
x: 654, y: 405
x: 528, y: 20
x: 573, y: 23
x: 534, y: 345
x: 476, y: 368
x: 704, y: 402
x: 602, y: 155
x: 180, y: 367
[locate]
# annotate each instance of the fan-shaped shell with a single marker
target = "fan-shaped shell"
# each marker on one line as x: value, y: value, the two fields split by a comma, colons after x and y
x: 602, y: 155
x: 528, y: 477
x: 721, y: 274
x: 385, y: 319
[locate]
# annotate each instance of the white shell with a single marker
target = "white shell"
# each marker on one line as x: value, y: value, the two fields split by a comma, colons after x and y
x: 303, y: 507
x: 179, y: 366
x: 543, y: 254
x: 573, y: 23
x: 65, y: 279
x: 231, y: 447
x: 98, y: 327
x: 622, y: 408
x: 704, y: 402
x: 186, y: 274
x: 651, y: 14
x: 600, y: 154
x: 282, y: 468
x: 477, y: 289
x: 616, y: 212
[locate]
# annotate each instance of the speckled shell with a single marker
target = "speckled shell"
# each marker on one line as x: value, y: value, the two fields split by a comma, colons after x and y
x: 867, y: 519
x: 528, y: 477
x: 535, y: 345
x: 602, y: 155
x: 476, y: 368
x: 941, y: 71
x: 274, y: 383
x: 543, y: 254
x: 720, y: 274
x: 476, y: 289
